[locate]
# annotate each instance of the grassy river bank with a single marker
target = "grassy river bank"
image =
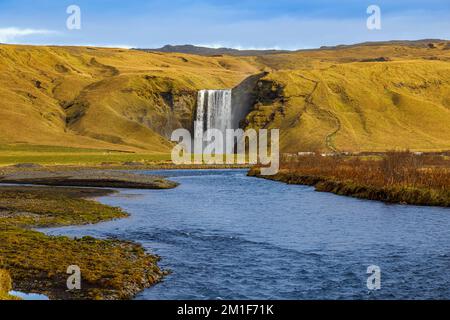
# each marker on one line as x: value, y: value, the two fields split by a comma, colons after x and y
x: 395, y: 177
x: 37, y: 263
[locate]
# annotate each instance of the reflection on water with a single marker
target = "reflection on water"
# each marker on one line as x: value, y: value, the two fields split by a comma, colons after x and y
x: 226, y: 235
x: 28, y: 296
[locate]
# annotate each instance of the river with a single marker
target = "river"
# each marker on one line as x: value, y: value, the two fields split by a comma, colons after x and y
x: 228, y: 236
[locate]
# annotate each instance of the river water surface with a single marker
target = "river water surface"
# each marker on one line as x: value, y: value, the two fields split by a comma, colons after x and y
x: 228, y: 236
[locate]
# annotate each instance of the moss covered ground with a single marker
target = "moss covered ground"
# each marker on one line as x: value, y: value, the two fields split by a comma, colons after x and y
x: 37, y: 263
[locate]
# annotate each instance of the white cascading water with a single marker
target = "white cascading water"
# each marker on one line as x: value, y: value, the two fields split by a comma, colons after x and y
x: 213, y: 111
x: 200, y: 119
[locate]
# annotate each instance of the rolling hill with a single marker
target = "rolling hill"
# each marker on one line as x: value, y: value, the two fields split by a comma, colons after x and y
x: 104, y: 98
x: 349, y: 98
x: 358, y: 98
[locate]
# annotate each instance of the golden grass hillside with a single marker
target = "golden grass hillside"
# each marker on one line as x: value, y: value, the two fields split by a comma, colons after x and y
x: 104, y: 98
x: 352, y: 98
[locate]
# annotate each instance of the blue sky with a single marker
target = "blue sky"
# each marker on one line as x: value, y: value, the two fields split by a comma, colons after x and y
x: 284, y: 24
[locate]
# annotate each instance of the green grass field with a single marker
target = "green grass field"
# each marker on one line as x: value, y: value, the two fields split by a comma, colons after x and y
x: 50, y: 155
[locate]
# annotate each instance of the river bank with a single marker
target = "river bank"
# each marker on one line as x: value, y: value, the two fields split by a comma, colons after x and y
x: 85, y: 178
x: 37, y: 263
x: 392, y: 194
x: 394, y: 177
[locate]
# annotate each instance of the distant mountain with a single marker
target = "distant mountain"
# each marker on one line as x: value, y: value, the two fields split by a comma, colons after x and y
x: 423, y: 43
x: 205, y: 51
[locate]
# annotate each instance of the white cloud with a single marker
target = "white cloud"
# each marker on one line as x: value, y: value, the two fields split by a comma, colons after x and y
x: 12, y: 33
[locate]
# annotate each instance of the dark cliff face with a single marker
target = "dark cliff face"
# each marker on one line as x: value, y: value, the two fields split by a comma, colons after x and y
x: 268, y: 91
x: 268, y: 101
x: 160, y: 104
x: 181, y: 110
x: 244, y: 98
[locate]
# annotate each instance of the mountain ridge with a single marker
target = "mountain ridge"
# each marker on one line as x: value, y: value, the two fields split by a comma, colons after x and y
x: 211, y: 51
x: 208, y: 51
x: 366, y: 97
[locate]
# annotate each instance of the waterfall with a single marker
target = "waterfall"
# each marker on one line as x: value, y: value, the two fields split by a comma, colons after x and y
x: 200, y: 119
x: 213, y: 111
